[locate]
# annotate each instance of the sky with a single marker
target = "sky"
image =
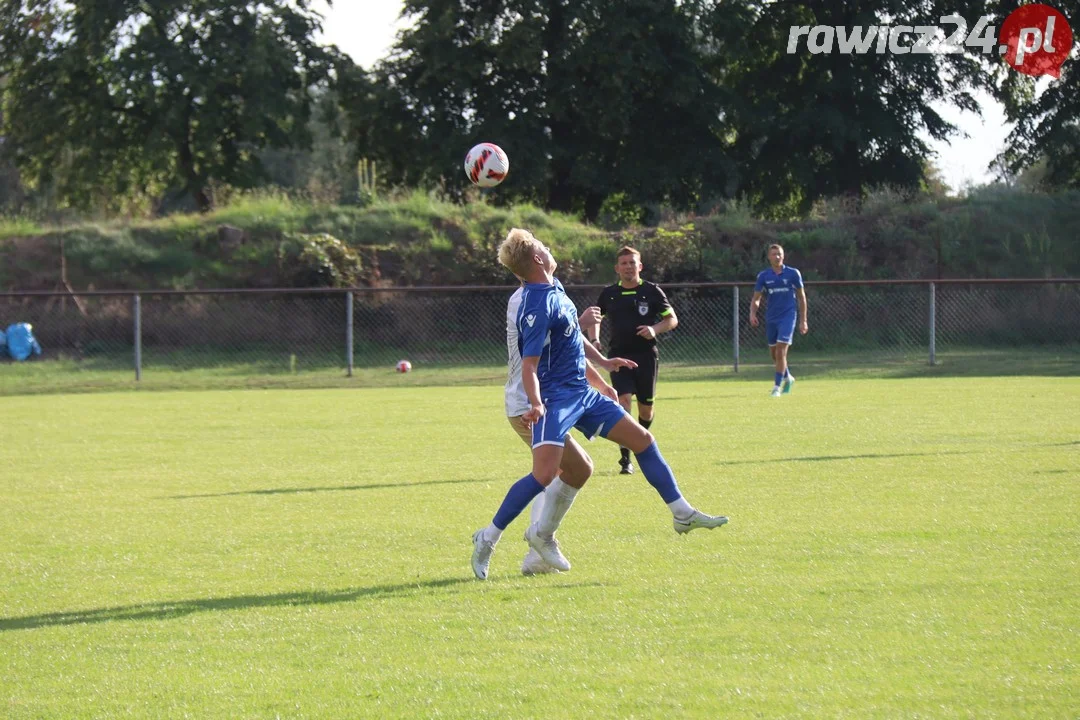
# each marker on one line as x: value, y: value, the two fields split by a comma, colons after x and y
x: 365, y: 29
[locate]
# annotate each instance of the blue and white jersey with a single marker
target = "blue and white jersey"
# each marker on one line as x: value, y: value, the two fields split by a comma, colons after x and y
x: 548, y: 328
x: 780, y: 288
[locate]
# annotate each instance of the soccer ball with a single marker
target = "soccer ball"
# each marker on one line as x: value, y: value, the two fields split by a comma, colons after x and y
x: 404, y: 366
x: 486, y: 165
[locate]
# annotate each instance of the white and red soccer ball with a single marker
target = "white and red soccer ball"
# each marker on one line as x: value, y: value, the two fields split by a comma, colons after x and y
x: 404, y: 366
x: 486, y: 165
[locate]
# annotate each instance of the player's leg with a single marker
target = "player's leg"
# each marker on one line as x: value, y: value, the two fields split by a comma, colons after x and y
x: 783, y: 344
x: 533, y: 564
x: 577, y: 467
x: 645, y: 387
x: 524, y: 431
x: 772, y: 330
x: 624, y: 382
x: 626, y: 402
x: 626, y: 431
x: 547, y: 443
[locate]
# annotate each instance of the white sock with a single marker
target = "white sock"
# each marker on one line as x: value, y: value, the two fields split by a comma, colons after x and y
x: 681, y: 509
x: 560, y: 497
x: 492, y: 534
x: 537, y: 506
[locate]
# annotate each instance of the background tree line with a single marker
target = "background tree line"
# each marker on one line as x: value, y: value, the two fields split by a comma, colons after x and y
x: 613, y: 107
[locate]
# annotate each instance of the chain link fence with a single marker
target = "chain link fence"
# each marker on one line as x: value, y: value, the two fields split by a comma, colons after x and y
x: 265, y: 332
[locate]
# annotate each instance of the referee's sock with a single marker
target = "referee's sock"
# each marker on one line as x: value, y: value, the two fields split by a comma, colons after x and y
x: 644, y: 423
x: 624, y: 455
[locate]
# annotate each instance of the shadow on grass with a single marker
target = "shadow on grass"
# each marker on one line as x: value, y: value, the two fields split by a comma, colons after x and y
x: 180, y: 608
x: 831, y: 458
x: 290, y: 491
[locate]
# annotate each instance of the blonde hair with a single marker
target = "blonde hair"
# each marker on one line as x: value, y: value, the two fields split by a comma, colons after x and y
x: 627, y: 250
x: 517, y: 250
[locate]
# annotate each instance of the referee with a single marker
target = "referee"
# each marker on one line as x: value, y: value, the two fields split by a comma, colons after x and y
x: 639, y: 311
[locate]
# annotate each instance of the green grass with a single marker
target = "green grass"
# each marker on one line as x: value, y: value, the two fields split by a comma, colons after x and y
x: 898, y: 548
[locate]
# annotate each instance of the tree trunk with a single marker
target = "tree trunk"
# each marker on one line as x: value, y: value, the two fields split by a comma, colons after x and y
x: 194, y: 185
x: 593, y: 202
x: 560, y: 192
x: 203, y: 201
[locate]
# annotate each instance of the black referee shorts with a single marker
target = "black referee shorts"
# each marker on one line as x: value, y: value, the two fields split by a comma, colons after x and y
x: 640, y: 382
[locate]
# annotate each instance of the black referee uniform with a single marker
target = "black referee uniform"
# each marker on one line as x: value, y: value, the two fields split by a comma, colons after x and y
x: 628, y: 309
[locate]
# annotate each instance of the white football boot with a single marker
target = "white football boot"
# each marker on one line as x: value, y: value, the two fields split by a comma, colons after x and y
x: 699, y: 520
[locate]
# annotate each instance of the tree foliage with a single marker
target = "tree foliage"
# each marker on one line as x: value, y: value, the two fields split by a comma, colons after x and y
x: 588, y: 97
x: 1046, y: 135
x: 615, y: 104
x: 812, y: 125
x: 656, y: 101
x: 109, y: 97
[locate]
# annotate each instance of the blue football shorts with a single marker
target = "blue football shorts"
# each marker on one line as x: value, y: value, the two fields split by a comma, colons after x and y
x: 780, y: 331
x: 591, y: 413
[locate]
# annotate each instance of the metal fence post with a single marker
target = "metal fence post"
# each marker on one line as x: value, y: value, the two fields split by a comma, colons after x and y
x: 933, y: 324
x: 735, y: 323
x: 138, y: 337
x: 348, y: 333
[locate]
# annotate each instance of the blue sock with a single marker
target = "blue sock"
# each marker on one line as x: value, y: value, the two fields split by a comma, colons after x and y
x: 517, y: 499
x: 787, y: 373
x: 658, y: 473
x: 779, y: 377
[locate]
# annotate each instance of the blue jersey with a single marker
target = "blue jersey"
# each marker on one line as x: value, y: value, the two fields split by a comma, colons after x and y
x: 548, y: 329
x: 781, y: 291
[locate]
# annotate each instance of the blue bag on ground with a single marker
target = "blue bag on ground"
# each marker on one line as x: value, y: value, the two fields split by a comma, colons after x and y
x: 21, y: 342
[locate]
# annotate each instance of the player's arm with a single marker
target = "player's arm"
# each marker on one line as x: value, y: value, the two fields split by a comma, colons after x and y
x: 589, y: 321
x: 800, y: 296
x: 533, y: 327
x: 598, y: 382
x: 610, y: 364
x: 669, y: 320
x: 593, y: 335
x: 755, y: 303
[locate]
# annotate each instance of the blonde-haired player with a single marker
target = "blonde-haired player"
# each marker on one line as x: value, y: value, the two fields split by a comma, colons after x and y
x: 576, y: 466
x: 554, y: 377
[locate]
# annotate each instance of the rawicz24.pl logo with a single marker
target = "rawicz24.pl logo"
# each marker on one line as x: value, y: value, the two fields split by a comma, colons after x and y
x: 1035, y: 39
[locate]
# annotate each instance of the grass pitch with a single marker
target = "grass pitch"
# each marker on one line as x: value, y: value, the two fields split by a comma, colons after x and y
x: 897, y: 547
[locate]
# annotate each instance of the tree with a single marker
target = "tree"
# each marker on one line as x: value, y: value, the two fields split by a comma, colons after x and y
x: 588, y: 97
x: 1047, y: 130
x: 809, y: 125
x: 110, y: 97
x: 933, y: 183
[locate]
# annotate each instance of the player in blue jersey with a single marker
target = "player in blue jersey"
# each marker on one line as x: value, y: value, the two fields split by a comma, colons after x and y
x: 784, y: 286
x: 576, y: 465
x: 553, y: 371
